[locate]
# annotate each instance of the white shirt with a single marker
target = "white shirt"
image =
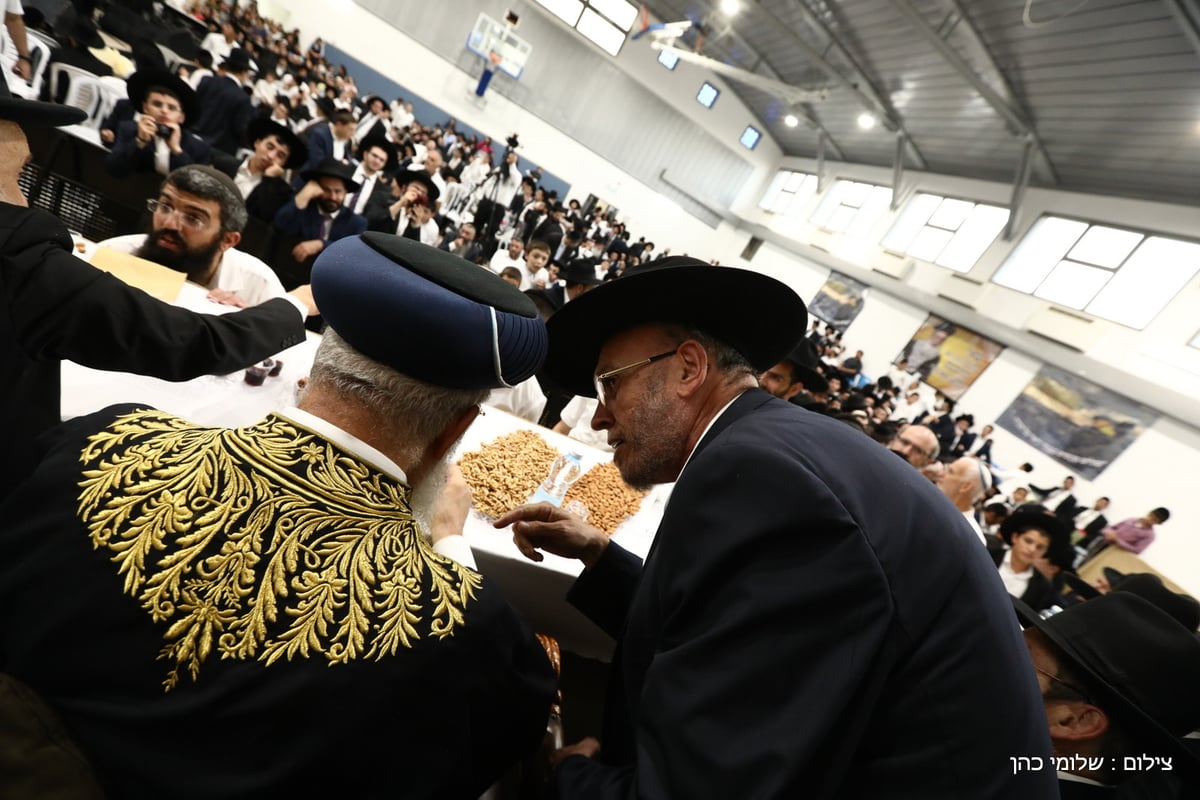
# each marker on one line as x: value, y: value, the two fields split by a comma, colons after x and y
x: 577, y: 415
x: 502, y: 260
x: 368, y: 185
x: 1014, y: 582
x: 239, y: 272
x: 215, y: 43
x: 265, y: 92
x: 454, y: 547
x: 970, y: 518
x: 246, y: 180
x: 524, y: 400
x: 534, y: 280
x: 198, y: 74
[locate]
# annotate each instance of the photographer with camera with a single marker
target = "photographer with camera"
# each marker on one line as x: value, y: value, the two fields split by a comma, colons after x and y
x: 155, y: 140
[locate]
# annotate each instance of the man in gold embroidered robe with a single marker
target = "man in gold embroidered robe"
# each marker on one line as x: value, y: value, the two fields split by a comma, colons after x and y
x: 256, y: 612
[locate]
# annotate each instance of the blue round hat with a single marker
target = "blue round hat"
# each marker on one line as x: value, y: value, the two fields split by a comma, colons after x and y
x: 427, y: 313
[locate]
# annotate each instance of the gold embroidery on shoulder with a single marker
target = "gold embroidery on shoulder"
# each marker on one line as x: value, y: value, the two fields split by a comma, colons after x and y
x: 264, y: 542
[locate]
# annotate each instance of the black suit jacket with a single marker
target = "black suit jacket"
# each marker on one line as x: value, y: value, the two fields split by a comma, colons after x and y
x: 54, y: 306
x: 126, y: 157
x: 810, y: 622
x: 225, y: 111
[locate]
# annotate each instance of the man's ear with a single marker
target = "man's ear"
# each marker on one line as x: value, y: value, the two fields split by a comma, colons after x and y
x: 230, y: 239
x: 1075, y: 721
x: 442, y: 443
x: 694, y: 361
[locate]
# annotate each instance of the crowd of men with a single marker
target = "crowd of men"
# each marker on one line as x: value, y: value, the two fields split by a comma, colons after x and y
x: 190, y: 611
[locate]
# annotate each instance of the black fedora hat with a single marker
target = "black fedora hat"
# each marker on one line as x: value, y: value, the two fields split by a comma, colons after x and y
x: 238, y: 60
x: 141, y: 82
x: 1182, y: 607
x: 581, y: 270
x: 81, y: 29
x: 1032, y: 516
x: 378, y: 141
x: 1141, y: 663
x: 406, y: 176
x: 332, y: 168
x: 805, y: 362
x: 756, y: 315
x: 262, y: 127
x: 31, y: 113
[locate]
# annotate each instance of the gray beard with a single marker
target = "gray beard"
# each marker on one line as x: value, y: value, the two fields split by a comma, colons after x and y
x: 425, y: 495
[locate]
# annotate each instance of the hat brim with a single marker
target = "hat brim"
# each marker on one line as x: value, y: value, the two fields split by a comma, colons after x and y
x: 1139, y: 724
x: 1019, y: 521
x: 37, y: 114
x: 139, y: 84
x: 313, y: 174
x: 755, y: 314
x: 393, y: 159
x: 263, y: 127
x: 405, y: 177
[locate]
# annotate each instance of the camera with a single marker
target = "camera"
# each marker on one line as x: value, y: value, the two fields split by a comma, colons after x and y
x: 163, y: 131
x: 512, y: 142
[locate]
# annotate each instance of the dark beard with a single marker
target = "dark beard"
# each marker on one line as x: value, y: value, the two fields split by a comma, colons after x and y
x: 329, y: 206
x: 196, y: 264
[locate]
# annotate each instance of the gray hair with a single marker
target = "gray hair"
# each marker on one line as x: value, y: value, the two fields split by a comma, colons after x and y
x: 413, y: 411
x: 729, y: 361
x: 208, y: 183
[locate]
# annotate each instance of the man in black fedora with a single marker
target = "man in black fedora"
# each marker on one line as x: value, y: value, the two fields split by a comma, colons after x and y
x: 784, y: 637
x: 262, y: 176
x: 796, y: 375
x: 55, y: 306
x: 578, y: 277
x: 225, y: 108
x: 317, y: 213
x: 377, y: 162
x: 1118, y: 681
x: 156, y: 140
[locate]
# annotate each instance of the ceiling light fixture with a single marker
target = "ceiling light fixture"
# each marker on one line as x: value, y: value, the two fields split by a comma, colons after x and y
x: 791, y: 120
x: 866, y: 121
x: 730, y: 7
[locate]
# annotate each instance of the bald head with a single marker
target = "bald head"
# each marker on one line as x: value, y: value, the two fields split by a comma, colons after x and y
x: 917, y: 444
x: 963, y: 482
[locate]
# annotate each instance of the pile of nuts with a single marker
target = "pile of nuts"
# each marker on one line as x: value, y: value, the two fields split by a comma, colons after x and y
x: 505, y: 472
x: 608, y: 497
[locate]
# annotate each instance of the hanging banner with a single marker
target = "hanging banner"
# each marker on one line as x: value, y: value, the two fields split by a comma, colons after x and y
x: 838, y: 301
x: 948, y: 357
x: 1077, y: 423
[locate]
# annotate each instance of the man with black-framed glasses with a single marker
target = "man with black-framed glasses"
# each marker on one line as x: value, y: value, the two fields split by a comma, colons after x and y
x: 813, y: 618
x: 196, y: 223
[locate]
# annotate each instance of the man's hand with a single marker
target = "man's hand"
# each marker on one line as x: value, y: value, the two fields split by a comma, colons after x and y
x: 107, y: 135
x: 304, y: 295
x: 273, y: 171
x: 544, y: 527
x: 309, y: 192
x: 305, y: 249
x: 227, y: 298
x: 174, y: 142
x: 588, y: 748
x: 147, y: 129
x: 1109, y: 535
x: 22, y: 68
x: 451, y: 508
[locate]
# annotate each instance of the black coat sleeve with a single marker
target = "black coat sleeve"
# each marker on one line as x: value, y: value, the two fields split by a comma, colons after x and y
x: 59, y: 307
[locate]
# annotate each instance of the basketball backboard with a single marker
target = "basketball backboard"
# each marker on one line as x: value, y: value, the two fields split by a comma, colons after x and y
x: 498, y: 43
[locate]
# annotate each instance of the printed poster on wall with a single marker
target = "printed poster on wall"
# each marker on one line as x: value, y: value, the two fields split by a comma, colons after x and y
x: 947, y: 356
x: 838, y: 301
x: 1077, y: 423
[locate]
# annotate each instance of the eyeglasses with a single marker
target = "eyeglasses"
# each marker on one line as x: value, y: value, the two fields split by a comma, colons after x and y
x: 166, y: 209
x: 604, y: 381
x: 1083, y: 695
x: 916, y: 446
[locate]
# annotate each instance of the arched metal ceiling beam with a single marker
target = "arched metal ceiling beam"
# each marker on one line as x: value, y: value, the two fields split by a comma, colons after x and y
x: 1019, y: 121
x: 858, y: 84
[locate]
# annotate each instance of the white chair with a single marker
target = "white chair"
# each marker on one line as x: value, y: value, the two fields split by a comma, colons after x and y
x: 39, y: 56
x: 72, y: 75
x: 110, y: 90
